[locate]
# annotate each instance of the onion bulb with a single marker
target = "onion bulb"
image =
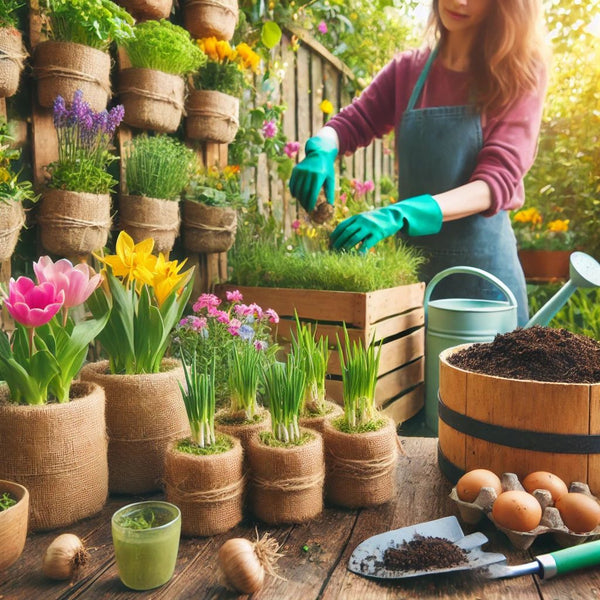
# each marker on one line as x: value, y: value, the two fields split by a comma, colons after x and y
x: 244, y: 563
x: 64, y: 556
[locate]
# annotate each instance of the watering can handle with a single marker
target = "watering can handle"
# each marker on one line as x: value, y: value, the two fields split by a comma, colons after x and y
x: 512, y: 301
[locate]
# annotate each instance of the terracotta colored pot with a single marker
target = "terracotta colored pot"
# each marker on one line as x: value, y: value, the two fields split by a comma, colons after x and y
x: 545, y: 265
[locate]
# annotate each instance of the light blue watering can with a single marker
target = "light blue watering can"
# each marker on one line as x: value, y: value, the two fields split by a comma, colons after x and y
x: 454, y: 321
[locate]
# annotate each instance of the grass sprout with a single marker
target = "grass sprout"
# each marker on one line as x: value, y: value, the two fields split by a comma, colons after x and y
x: 245, y: 367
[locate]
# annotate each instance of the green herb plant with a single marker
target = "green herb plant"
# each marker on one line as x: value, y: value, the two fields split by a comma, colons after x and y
x: 157, y: 166
x: 313, y: 357
x: 359, y: 365
x: 8, y: 13
x: 141, y: 519
x: 163, y: 46
x: 6, y: 501
x: 11, y: 189
x: 284, y: 385
x: 94, y: 23
x: 214, y: 186
x: 245, y: 369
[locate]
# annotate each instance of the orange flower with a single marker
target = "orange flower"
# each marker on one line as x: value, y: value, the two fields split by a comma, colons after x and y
x: 559, y: 225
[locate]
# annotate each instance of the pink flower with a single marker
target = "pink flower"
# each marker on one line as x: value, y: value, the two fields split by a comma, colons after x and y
x: 243, y: 310
x: 33, y: 305
x: 197, y: 323
x: 221, y: 316
x: 260, y: 345
x: 291, y: 149
x: 256, y: 310
x: 78, y: 282
x: 234, y: 296
x: 234, y: 326
x: 295, y: 224
x: 269, y: 129
x: 362, y: 188
x: 207, y: 301
x: 322, y: 27
x: 343, y: 197
x: 273, y: 316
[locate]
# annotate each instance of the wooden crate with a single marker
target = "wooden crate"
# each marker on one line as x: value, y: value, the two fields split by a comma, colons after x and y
x: 393, y: 316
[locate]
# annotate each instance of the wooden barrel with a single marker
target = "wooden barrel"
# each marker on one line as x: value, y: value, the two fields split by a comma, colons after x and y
x: 517, y: 426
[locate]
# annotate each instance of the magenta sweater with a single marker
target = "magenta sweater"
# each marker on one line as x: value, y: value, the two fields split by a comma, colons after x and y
x: 509, y: 139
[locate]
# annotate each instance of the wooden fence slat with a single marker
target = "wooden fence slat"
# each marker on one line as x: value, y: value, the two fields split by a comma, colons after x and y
x: 303, y: 97
x: 318, y: 82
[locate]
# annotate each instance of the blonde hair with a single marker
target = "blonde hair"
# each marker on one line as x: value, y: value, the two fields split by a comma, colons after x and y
x: 510, y: 54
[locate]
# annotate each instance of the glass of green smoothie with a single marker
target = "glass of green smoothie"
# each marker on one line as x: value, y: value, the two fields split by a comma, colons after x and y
x: 146, y: 540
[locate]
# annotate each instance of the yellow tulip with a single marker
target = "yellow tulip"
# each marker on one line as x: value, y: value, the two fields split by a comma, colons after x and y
x: 167, y: 277
x: 224, y: 51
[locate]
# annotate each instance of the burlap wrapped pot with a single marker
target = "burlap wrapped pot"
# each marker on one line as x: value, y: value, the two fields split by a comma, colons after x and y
x: 62, y: 68
x: 208, y: 489
x: 361, y: 467
x: 142, y: 217
x: 211, y: 116
x: 13, y: 523
x: 73, y: 223
x: 58, y: 452
x: 235, y: 426
x: 207, y: 18
x: 317, y: 422
x: 12, y: 219
x: 144, y: 414
x: 144, y: 10
x: 208, y: 229
x: 12, y: 59
x: 286, y: 483
x: 152, y: 99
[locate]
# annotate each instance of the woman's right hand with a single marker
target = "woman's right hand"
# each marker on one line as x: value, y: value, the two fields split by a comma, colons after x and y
x: 316, y: 171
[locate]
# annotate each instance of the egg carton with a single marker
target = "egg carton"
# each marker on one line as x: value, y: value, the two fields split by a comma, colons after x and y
x: 551, y: 522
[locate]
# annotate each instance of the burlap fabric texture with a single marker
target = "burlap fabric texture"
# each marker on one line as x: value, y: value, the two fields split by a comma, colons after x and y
x: 13, y: 523
x: 12, y: 219
x: 205, y: 18
x: 144, y: 10
x: 142, y: 217
x: 208, y: 229
x: 73, y: 223
x: 212, y: 116
x: 12, y: 60
x: 144, y: 414
x: 62, y: 68
x: 332, y: 410
x: 361, y: 467
x: 208, y: 489
x: 286, y: 484
x: 58, y: 452
x: 243, y: 431
x: 152, y: 99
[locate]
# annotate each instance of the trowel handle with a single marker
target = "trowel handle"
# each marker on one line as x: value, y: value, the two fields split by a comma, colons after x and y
x: 547, y: 312
x: 570, y: 559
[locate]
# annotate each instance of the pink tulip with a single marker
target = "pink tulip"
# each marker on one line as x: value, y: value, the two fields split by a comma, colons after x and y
x: 33, y: 305
x: 78, y: 282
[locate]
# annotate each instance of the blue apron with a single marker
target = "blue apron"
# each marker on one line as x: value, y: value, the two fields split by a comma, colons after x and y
x: 437, y: 151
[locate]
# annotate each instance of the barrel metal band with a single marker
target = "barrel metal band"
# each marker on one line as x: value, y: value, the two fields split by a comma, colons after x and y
x: 519, y: 438
x: 451, y: 471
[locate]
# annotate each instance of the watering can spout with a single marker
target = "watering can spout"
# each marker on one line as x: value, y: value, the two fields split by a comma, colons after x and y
x: 584, y: 272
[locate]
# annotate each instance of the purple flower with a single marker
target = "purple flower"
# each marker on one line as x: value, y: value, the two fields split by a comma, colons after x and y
x: 322, y: 27
x: 115, y: 116
x: 246, y: 332
x: 269, y: 129
x: 59, y: 112
x: 291, y: 149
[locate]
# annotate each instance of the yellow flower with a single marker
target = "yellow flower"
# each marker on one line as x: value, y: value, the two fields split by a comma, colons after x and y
x: 224, y: 51
x: 248, y: 58
x: 209, y: 47
x: 4, y: 175
x: 559, y: 225
x: 132, y: 262
x: 528, y: 215
x: 326, y: 107
x: 167, y: 277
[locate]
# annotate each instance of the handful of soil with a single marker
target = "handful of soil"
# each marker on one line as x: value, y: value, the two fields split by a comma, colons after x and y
x: 322, y: 212
x: 424, y: 553
x: 537, y: 353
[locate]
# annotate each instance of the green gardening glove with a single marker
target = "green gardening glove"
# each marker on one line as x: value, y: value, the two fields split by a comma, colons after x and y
x: 314, y: 172
x: 420, y: 215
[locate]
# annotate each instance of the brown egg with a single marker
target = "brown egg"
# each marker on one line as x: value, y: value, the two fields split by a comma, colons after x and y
x: 579, y: 512
x: 542, y: 480
x: 470, y: 484
x: 517, y: 510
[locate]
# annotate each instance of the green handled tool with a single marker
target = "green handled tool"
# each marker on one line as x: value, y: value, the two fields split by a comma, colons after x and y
x: 551, y: 564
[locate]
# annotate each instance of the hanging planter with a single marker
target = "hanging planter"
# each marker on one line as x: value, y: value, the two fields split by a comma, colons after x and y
x: 74, y: 223
x: 12, y: 219
x: 13, y: 523
x: 206, y: 18
x: 12, y: 58
x: 142, y: 217
x: 208, y: 229
x: 144, y: 414
x: 143, y: 10
x: 62, y: 68
x: 58, y: 452
x: 212, y: 116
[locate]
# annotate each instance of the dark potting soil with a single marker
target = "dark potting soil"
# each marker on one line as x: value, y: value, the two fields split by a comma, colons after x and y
x: 424, y: 553
x: 536, y: 353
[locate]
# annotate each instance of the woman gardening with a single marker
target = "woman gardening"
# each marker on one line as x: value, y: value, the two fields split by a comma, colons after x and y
x: 467, y: 114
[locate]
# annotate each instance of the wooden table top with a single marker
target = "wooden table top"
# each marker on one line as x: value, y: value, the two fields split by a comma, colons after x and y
x: 315, y: 554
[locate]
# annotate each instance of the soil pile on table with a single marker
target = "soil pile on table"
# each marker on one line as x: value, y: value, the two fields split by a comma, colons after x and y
x: 424, y: 553
x: 536, y: 353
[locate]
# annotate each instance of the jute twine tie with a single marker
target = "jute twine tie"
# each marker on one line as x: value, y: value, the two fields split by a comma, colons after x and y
x: 362, y: 469
x: 151, y: 226
x: 52, y: 71
x: 205, y: 227
x: 294, y: 484
x: 8, y: 232
x: 222, y: 494
x: 66, y: 221
x: 152, y: 96
x: 167, y: 435
x: 206, y: 112
x: 214, y: 3
x: 17, y: 57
